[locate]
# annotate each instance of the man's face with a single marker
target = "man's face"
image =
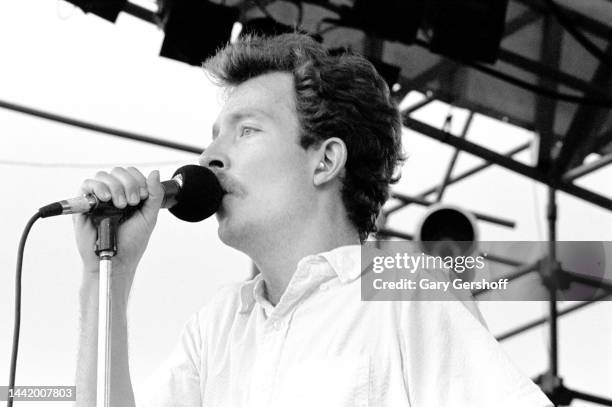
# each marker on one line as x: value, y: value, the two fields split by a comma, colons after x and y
x: 257, y: 156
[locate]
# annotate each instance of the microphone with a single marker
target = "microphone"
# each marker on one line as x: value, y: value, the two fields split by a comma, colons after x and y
x: 193, y: 194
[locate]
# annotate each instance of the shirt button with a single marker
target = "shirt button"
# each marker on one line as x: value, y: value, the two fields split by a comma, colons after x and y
x: 277, y: 325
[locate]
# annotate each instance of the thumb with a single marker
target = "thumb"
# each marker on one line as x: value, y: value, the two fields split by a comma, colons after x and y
x: 156, y: 195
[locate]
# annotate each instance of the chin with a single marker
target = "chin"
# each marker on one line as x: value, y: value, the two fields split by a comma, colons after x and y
x: 223, y: 232
x: 231, y: 234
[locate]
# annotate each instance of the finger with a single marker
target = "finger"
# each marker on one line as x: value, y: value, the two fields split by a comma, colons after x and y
x: 156, y: 194
x: 96, y: 187
x: 142, y: 181
x: 130, y: 184
x: 116, y: 188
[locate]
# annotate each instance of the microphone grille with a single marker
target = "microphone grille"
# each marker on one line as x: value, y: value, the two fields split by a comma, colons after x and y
x: 200, y: 196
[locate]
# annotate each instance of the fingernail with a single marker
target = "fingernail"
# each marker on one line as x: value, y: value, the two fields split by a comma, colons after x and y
x: 134, y: 198
x: 121, y: 201
x: 143, y: 192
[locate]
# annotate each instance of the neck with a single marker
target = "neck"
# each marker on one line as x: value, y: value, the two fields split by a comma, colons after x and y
x: 277, y: 258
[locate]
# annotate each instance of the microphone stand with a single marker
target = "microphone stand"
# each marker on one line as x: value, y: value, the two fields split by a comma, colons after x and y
x: 106, y: 247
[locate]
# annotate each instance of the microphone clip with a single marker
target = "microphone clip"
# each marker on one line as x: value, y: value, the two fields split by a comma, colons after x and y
x: 107, y: 218
x: 106, y: 242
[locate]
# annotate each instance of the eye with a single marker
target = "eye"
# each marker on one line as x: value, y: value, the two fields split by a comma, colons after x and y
x: 247, y: 131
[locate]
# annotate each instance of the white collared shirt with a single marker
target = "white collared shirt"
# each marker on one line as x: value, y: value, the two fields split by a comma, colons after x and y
x: 322, y: 346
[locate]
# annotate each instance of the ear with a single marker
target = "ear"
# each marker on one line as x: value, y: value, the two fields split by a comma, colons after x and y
x: 330, y: 158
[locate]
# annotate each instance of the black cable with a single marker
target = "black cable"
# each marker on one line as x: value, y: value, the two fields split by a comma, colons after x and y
x: 569, y: 26
x: 566, y: 97
x: 17, y: 325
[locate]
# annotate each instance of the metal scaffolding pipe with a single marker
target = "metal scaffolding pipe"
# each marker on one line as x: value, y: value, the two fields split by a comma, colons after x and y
x: 506, y: 162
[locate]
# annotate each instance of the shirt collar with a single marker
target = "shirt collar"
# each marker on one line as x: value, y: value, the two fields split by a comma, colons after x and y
x: 247, y: 293
x: 344, y: 261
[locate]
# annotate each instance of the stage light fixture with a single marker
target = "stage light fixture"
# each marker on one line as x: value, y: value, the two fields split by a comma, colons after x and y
x: 195, y: 29
x: 447, y: 230
x: 107, y: 9
x: 467, y: 29
x: 395, y: 20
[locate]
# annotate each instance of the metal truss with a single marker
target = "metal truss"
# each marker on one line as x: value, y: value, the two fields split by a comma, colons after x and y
x: 560, y: 157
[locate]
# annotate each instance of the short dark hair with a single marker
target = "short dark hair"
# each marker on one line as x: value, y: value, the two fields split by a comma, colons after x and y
x: 336, y: 96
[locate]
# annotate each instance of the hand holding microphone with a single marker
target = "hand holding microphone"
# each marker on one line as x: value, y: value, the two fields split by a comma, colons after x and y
x: 193, y: 194
x: 122, y: 187
x: 125, y: 194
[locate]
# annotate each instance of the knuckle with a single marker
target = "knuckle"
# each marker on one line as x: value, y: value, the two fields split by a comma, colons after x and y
x: 87, y: 185
x: 137, y: 175
x: 87, y: 182
x: 114, y: 186
x: 130, y: 183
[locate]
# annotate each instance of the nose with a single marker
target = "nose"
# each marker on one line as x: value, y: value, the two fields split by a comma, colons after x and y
x: 214, y: 159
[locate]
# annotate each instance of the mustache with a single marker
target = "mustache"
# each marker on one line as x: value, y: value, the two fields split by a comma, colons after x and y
x: 228, y: 183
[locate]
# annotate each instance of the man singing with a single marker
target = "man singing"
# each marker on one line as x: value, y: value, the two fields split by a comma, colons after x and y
x: 305, y: 146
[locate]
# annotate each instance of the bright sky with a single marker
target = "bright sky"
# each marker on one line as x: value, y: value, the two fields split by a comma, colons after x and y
x: 54, y: 58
